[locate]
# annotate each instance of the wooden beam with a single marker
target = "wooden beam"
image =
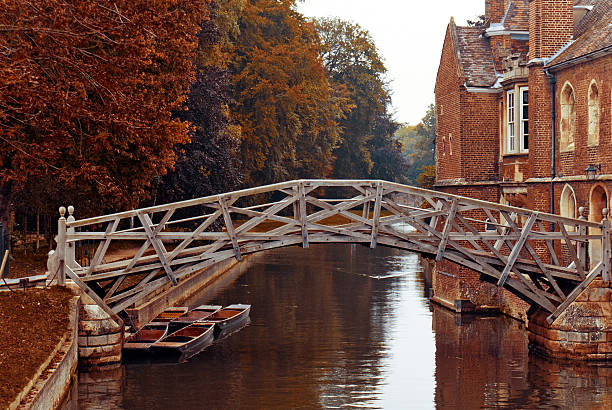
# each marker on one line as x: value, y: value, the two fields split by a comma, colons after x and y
x: 102, y: 247
x: 376, y: 216
x: 447, y: 228
x: 229, y: 225
x: 303, y: 214
x: 146, y: 222
x: 518, y: 246
x: 574, y: 294
x: 75, y: 278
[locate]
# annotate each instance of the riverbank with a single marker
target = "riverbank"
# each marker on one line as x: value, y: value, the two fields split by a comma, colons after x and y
x: 34, y: 322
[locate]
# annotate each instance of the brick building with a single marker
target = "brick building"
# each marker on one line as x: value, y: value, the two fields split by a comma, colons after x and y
x: 523, y: 110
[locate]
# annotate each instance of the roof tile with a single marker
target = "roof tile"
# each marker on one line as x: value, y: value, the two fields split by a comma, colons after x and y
x: 475, y: 57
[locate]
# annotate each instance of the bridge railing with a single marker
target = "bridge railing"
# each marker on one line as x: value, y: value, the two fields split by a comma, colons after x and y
x: 542, y: 257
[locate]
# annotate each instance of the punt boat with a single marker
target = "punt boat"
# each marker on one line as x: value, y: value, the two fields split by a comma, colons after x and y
x: 169, y: 314
x: 196, y: 315
x: 141, y: 341
x: 185, y: 342
x: 230, y: 317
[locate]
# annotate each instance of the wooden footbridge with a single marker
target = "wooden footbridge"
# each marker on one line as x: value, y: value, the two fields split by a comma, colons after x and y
x: 541, y: 257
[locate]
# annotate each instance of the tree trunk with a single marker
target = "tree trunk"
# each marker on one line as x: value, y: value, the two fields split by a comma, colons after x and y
x: 37, y: 229
x: 5, y: 202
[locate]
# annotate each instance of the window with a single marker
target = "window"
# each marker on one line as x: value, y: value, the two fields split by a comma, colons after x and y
x: 517, y: 121
x: 524, y: 125
x: 593, y: 134
x: 567, y: 204
x: 568, y: 118
x: 511, y: 136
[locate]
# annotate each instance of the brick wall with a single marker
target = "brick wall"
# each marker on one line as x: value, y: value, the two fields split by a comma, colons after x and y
x: 551, y: 25
x: 448, y: 104
x: 495, y: 10
x: 479, y: 136
x: 580, y: 77
x: 540, y: 123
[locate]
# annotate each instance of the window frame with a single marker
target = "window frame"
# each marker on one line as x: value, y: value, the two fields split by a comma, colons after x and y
x: 510, y: 122
x: 523, y: 137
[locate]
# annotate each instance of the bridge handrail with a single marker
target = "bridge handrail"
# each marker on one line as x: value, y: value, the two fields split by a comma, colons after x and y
x: 330, y: 183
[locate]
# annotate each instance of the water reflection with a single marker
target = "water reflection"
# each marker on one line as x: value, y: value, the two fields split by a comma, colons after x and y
x: 346, y: 326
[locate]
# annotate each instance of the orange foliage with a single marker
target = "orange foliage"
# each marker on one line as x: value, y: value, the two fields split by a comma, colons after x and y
x: 87, y: 89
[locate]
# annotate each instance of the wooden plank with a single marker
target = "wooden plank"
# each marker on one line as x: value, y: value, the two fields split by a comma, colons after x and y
x: 75, y: 278
x: 606, y: 249
x: 448, y: 224
x: 146, y: 222
x: 102, y: 247
x: 574, y: 294
x: 376, y: 216
x: 549, y: 245
x: 229, y: 226
x: 187, y: 241
x: 572, y: 252
x: 303, y: 215
x: 518, y: 246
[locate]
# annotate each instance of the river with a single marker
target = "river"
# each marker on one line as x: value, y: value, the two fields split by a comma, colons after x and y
x: 338, y: 326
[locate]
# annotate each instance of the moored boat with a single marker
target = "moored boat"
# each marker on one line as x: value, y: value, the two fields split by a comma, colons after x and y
x: 141, y: 341
x: 168, y: 315
x: 230, y: 317
x: 187, y: 341
x: 198, y: 314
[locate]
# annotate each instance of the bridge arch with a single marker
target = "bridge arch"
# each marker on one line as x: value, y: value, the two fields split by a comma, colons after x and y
x: 512, y: 246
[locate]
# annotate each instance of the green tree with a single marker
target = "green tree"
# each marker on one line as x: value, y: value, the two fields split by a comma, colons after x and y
x: 356, y: 69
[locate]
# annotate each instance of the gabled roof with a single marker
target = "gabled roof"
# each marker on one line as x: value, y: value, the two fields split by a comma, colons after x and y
x: 475, y: 56
x: 593, y: 34
x: 517, y: 16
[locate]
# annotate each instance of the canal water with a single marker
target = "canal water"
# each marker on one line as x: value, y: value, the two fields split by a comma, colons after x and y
x: 340, y: 326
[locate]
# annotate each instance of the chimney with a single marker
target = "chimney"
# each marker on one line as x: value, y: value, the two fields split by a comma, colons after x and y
x: 551, y: 25
x: 495, y: 10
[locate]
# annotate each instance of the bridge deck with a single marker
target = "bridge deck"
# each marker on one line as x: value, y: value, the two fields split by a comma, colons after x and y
x: 539, y: 256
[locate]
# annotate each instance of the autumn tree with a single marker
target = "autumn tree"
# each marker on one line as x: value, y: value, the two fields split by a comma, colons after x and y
x: 87, y: 91
x: 283, y: 101
x: 208, y: 163
x: 356, y: 69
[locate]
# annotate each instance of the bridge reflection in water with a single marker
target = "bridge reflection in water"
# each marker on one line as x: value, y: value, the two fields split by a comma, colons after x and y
x: 344, y: 325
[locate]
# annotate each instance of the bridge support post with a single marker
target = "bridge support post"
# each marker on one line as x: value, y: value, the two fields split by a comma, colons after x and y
x: 61, y: 248
x: 606, y: 249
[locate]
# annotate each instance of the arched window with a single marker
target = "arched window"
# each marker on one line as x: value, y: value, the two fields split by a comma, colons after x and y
x: 568, y: 118
x: 567, y: 206
x: 593, y: 114
x: 598, y: 200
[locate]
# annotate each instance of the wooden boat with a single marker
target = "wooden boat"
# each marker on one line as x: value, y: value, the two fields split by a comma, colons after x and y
x: 187, y: 341
x: 230, y: 317
x: 169, y: 314
x: 198, y: 314
x: 141, y: 341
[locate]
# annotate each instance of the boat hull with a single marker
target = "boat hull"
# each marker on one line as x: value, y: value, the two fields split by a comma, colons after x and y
x: 186, y: 342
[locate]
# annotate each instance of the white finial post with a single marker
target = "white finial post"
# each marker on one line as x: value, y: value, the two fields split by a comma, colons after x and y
x: 606, y: 247
x: 61, y: 247
x: 70, y: 246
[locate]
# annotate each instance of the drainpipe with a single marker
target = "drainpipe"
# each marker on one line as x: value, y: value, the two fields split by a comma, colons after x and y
x: 552, y: 79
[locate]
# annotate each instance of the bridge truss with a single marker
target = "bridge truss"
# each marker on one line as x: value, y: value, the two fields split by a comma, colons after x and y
x: 540, y: 257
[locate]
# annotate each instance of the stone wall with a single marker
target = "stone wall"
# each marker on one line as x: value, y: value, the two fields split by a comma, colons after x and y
x: 582, y: 332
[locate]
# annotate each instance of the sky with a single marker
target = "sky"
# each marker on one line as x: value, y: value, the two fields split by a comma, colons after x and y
x: 409, y: 35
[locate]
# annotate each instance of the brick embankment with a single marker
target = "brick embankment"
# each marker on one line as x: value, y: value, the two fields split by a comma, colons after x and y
x: 582, y: 332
